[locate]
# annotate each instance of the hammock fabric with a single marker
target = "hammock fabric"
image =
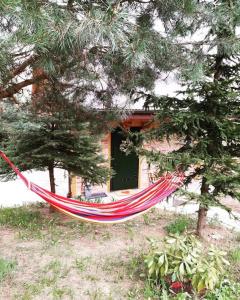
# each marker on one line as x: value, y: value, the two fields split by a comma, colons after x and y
x: 113, y: 212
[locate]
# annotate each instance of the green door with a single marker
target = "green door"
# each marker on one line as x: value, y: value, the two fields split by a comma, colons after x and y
x: 125, y: 166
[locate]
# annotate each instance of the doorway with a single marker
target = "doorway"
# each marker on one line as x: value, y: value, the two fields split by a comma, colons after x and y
x: 125, y: 166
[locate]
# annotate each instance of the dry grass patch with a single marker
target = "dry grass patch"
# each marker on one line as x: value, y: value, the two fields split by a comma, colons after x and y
x: 59, y: 258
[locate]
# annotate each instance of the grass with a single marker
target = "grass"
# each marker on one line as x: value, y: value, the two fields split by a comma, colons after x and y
x: 134, y: 294
x: 28, y: 220
x: 234, y: 259
x: 147, y: 219
x: 179, y: 225
x: 98, y: 294
x: 214, y: 222
x: 106, y: 236
x: 61, y: 293
x: 135, y: 266
x: 21, y: 217
x: 32, y: 223
x: 67, y: 259
x: 6, y: 267
x: 82, y: 263
x: 47, y: 279
x: 235, y: 255
x: 237, y: 238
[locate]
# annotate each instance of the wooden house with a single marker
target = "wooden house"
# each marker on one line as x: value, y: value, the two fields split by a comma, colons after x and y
x: 131, y: 171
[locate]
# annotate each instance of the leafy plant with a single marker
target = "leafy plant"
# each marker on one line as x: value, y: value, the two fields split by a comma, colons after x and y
x: 179, y: 225
x: 208, y: 271
x: 176, y: 260
x: 183, y: 266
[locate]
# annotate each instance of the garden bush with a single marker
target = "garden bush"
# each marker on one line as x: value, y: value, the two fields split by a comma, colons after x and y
x: 183, y: 268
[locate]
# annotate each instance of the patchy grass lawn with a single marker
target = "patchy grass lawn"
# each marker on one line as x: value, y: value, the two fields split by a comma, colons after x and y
x: 45, y: 256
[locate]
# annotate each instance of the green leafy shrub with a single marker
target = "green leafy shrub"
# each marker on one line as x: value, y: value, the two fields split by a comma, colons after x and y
x: 176, y: 260
x: 209, y: 270
x: 179, y: 225
x: 5, y: 268
x: 183, y: 266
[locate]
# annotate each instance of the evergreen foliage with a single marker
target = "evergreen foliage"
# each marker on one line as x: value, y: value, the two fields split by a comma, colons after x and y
x: 52, y: 136
x: 205, y: 115
x: 85, y: 52
x: 94, y: 48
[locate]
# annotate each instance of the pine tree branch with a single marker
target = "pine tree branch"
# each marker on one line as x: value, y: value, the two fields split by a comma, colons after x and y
x: 19, y: 69
x: 15, y: 88
x: 21, y: 54
x: 197, y: 171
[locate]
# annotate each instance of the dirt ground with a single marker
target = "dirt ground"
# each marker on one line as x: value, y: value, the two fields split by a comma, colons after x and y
x: 74, y: 260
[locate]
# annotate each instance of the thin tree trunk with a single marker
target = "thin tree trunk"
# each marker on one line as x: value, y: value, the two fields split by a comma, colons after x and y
x: 52, y: 183
x: 202, y: 213
x: 202, y: 219
x: 69, y: 195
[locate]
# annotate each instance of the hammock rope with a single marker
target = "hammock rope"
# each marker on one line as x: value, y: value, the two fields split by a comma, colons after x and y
x: 113, y: 212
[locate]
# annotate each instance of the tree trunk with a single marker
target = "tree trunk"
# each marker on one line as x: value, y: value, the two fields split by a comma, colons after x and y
x: 69, y: 195
x: 52, y: 184
x: 202, y: 213
x: 202, y: 219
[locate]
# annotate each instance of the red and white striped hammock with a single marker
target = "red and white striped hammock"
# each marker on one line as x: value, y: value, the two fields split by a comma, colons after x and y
x: 114, y: 212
